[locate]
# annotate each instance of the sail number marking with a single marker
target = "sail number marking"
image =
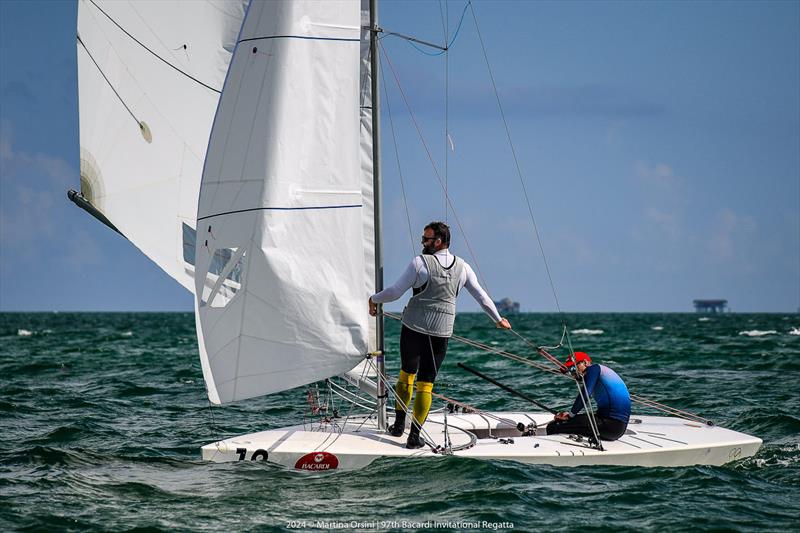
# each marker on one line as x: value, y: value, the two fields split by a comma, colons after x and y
x: 258, y: 454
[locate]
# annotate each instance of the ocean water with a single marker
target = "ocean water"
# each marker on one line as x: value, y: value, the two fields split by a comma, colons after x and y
x: 103, y: 416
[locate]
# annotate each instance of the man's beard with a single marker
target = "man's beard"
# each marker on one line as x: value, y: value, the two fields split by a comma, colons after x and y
x: 428, y: 250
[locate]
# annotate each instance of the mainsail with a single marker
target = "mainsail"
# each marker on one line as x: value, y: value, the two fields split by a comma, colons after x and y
x: 281, y: 279
x: 149, y: 79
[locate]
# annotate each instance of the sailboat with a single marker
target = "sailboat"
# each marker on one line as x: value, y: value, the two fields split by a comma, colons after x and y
x: 237, y: 145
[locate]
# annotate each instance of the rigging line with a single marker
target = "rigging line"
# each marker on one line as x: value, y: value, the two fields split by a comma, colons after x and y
x: 152, y: 52
x: 345, y: 392
x: 657, y: 404
x: 344, y: 425
x: 560, y: 343
x: 537, y: 349
x: 446, y: 104
x: 524, y: 360
x: 516, y: 160
x: 503, y: 353
x: 587, y: 405
x: 427, y: 437
x: 442, y: 16
x: 397, y: 157
x: 667, y: 409
x: 385, y: 378
x: 476, y: 410
x: 442, y: 50
x: 686, y: 415
x: 435, y: 169
x: 138, y: 122
x: 491, y: 349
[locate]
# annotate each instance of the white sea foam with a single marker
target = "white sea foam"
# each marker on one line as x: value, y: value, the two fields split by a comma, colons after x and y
x: 585, y: 331
x: 24, y: 333
x: 657, y: 328
x: 703, y: 319
x: 794, y: 331
x: 127, y: 334
x: 758, y: 332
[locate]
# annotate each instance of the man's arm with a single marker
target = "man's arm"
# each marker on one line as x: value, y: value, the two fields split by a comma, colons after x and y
x: 482, y: 298
x: 590, y: 378
x: 415, y: 274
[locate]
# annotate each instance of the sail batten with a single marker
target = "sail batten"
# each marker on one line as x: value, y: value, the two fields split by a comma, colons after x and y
x: 282, y: 190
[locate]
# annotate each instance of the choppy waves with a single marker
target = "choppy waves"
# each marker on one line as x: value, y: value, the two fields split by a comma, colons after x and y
x: 586, y: 331
x: 103, y: 416
x: 758, y: 333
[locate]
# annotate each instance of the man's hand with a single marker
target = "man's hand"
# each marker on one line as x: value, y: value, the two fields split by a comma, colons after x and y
x: 560, y: 417
x: 373, y: 308
x: 503, y: 324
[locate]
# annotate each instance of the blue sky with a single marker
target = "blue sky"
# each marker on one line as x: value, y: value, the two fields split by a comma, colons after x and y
x: 659, y: 143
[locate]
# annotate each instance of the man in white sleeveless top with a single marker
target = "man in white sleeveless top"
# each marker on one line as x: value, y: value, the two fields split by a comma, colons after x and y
x: 436, y: 277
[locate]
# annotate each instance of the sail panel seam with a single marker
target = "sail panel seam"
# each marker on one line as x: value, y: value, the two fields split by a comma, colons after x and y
x: 308, y: 208
x: 304, y: 37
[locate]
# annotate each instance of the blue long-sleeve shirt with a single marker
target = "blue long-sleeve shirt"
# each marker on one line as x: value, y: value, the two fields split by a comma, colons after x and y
x: 609, y: 392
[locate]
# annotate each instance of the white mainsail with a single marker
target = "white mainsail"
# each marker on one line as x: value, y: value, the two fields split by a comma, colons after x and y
x: 149, y: 76
x: 280, y: 280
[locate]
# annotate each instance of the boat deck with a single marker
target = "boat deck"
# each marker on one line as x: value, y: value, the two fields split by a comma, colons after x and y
x: 356, y: 442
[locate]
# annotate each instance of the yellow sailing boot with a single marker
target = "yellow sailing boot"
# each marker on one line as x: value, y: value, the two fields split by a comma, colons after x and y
x: 422, y: 404
x: 402, y: 390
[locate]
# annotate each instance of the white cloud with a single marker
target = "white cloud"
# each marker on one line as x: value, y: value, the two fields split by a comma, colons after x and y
x: 31, y: 183
x: 22, y: 165
x: 659, y: 175
x: 666, y: 222
x: 731, y: 239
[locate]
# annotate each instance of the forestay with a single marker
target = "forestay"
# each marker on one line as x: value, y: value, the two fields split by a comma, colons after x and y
x: 146, y: 110
x: 280, y: 284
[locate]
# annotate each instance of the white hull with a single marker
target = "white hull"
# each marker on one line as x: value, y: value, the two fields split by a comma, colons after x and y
x: 650, y: 441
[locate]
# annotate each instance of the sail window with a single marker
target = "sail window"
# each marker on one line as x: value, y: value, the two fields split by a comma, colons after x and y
x: 224, y: 277
x: 189, y: 240
x: 221, y: 256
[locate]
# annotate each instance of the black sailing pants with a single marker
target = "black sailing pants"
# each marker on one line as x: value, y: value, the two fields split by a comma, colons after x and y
x: 607, y: 428
x: 421, y: 354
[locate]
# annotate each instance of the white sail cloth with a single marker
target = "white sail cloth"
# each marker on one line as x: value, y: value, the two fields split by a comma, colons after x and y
x: 280, y: 284
x: 368, y: 197
x: 144, y: 120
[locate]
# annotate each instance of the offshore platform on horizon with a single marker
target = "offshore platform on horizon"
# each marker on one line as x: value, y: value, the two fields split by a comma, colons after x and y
x: 710, y: 306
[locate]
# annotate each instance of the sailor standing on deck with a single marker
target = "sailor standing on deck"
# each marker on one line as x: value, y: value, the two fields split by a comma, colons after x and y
x: 436, y: 277
x: 610, y: 394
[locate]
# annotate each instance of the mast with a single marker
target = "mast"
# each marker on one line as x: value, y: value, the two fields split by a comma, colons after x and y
x: 376, y: 192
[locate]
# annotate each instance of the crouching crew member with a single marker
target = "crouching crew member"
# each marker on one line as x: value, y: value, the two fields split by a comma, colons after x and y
x: 609, y: 393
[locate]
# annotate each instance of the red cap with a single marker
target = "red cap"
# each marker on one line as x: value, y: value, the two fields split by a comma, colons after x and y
x: 579, y: 356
